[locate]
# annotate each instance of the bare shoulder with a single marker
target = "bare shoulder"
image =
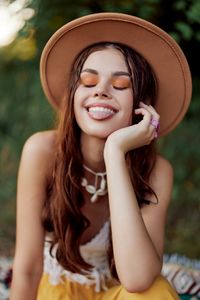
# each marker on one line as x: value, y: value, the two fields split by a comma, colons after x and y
x: 39, y: 150
x: 163, y: 167
x: 43, y: 142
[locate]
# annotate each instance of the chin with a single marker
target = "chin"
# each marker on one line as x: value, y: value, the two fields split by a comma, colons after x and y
x: 99, y: 133
x: 102, y: 129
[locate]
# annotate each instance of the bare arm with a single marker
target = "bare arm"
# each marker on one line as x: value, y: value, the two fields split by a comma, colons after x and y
x: 138, y: 235
x: 31, y: 192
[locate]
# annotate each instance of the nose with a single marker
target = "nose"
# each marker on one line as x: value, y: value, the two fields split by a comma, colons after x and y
x: 101, y: 91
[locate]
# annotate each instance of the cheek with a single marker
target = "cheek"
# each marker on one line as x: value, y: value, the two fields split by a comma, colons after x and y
x: 80, y: 95
x: 129, y: 117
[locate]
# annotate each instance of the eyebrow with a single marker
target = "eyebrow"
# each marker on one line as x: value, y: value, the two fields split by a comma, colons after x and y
x: 119, y: 73
x: 90, y: 71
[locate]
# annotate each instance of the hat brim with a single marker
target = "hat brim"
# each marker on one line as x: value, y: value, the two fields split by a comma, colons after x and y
x: 159, y: 49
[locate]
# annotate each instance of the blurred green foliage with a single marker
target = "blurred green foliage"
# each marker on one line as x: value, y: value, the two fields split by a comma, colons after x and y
x: 24, y: 110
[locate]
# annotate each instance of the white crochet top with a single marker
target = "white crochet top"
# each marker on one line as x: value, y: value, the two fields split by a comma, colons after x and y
x: 93, y: 252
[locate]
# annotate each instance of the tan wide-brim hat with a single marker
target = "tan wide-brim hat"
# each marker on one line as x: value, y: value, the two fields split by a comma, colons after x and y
x: 160, y: 50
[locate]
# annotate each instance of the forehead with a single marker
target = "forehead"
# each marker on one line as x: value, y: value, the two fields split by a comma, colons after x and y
x: 107, y: 60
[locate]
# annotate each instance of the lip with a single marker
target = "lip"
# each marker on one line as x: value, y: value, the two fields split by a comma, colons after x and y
x: 104, y: 105
x: 100, y: 116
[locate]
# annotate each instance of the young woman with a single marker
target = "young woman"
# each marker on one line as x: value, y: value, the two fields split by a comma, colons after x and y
x: 93, y: 194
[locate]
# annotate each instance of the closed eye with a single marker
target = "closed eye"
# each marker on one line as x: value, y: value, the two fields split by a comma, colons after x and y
x: 89, y: 85
x: 121, y: 82
x: 89, y: 80
x: 119, y: 88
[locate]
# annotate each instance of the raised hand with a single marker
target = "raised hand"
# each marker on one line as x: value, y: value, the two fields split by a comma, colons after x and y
x: 137, y: 135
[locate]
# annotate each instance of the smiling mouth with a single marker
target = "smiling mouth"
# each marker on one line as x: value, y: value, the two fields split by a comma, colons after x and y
x: 101, y: 112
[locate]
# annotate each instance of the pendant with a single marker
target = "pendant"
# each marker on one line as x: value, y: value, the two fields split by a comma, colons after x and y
x: 92, y: 189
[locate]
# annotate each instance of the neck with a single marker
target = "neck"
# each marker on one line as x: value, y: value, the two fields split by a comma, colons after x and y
x: 92, y: 151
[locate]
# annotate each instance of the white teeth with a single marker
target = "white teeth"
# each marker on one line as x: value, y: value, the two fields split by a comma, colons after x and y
x: 103, y: 109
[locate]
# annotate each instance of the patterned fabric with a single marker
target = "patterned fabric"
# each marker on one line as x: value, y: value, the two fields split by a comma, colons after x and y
x: 189, y: 266
x: 181, y: 272
x: 184, y: 275
x: 5, y: 277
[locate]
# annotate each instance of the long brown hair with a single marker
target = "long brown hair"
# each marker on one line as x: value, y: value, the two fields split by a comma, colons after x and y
x: 62, y: 209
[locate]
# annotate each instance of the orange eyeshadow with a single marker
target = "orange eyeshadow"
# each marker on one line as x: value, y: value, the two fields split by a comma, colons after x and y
x: 89, y: 79
x: 121, y: 82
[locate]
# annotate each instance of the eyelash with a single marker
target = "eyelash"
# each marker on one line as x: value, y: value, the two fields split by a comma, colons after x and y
x: 89, y: 85
x: 120, y: 89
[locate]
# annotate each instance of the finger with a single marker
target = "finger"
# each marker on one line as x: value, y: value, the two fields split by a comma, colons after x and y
x: 145, y: 113
x: 148, y: 107
x: 151, y: 109
x: 154, y: 122
x: 150, y: 120
x: 145, y: 122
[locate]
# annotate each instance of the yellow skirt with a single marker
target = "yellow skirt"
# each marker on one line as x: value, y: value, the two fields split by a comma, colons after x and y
x: 160, y: 290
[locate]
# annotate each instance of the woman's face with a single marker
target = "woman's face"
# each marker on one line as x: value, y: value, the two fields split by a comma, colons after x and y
x: 103, y: 101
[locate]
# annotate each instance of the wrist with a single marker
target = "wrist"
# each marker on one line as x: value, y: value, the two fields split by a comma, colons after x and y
x: 111, y: 150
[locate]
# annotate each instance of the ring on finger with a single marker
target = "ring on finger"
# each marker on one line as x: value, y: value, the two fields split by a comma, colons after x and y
x: 155, y: 123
